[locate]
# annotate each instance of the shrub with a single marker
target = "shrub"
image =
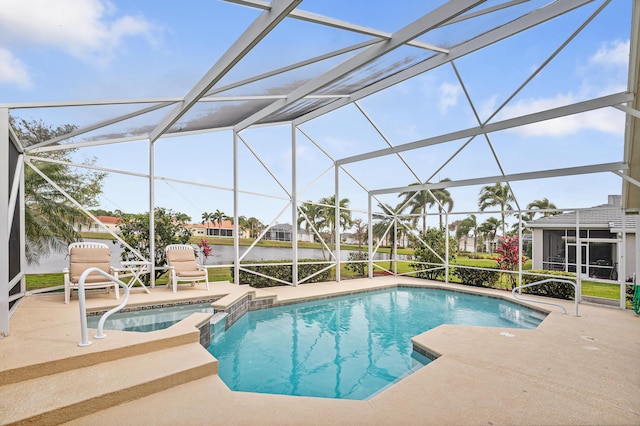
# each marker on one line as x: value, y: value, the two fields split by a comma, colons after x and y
x: 282, y: 272
x: 476, y: 277
x: 205, y: 248
x: 134, y: 229
x: 509, y: 257
x: 434, y: 238
x: 357, y: 268
x: 556, y: 289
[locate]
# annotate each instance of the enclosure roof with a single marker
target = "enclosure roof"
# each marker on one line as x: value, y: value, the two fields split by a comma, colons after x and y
x: 237, y: 94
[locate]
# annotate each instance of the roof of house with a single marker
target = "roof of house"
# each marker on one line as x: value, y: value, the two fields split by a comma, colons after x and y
x: 609, y: 216
x: 107, y: 219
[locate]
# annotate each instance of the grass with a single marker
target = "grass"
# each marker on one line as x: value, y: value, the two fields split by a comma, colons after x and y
x: 608, y: 291
x: 589, y: 288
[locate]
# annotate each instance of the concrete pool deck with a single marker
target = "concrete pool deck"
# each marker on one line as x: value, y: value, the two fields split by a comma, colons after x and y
x: 570, y: 370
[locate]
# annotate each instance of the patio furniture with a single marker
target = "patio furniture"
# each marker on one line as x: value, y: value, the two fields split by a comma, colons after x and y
x: 133, y: 269
x: 84, y: 255
x: 181, y: 260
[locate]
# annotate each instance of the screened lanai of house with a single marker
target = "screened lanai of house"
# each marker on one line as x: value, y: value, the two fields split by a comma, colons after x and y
x: 303, y: 100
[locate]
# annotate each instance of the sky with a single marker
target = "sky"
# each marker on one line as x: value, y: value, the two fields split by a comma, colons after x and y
x: 97, y: 49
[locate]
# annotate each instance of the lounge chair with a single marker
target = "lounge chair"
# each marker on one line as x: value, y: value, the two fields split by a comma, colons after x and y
x: 84, y: 255
x: 181, y: 259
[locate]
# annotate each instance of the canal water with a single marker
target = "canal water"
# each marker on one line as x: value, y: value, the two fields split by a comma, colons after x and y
x: 221, y: 255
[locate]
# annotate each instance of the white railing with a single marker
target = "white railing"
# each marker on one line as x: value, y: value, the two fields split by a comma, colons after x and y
x: 564, y: 311
x: 83, y: 307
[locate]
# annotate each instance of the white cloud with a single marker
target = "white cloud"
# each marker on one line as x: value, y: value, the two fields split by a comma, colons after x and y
x: 448, y: 96
x: 605, y: 120
x: 12, y: 70
x: 86, y: 29
x: 613, y: 54
x: 606, y: 61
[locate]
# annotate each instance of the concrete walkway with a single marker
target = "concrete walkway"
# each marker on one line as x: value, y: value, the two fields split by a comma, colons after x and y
x: 570, y: 370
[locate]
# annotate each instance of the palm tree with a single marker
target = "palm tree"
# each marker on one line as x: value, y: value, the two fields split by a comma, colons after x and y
x: 382, y: 222
x: 417, y: 202
x: 497, y: 195
x: 182, y: 217
x: 488, y: 230
x: 310, y: 219
x: 206, y: 219
x: 424, y: 199
x: 219, y: 216
x: 543, y: 204
x: 470, y: 223
x: 49, y: 218
x: 255, y: 226
x: 327, y: 214
x: 443, y: 198
x: 360, y: 231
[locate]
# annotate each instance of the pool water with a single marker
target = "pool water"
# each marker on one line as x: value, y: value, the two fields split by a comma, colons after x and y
x: 149, y: 319
x: 348, y: 347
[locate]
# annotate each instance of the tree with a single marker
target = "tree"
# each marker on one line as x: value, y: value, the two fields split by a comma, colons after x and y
x: 49, y: 216
x: 218, y: 217
x: 420, y: 200
x: 417, y: 202
x: 206, y: 219
x: 255, y: 226
x: 509, y: 258
x: 497, y: 195
x: 442, y: 198
x: 460, y: 230
x: 470, y: 223
x: 488, y: 230
x: 384, y: 226
x: 382, y: 222
x: 134, y: 230
x: 310, y: 218
x: 435, y: 240
x: 543, y: 204
x: 327, y: 215
x: 360, y: 231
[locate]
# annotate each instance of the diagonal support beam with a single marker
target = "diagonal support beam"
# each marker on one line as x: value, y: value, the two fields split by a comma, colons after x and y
x: 426, y: 23
x: 502, y: 32
x: 266, y: 22
x: 535, y: 117
x: 543, y: 174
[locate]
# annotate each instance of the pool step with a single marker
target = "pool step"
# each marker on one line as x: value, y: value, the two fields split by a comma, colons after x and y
x: 51, y: 362
x: 77, y: 392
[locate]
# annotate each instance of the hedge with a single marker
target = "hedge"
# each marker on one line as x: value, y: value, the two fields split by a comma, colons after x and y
x: 282, y: 272
x: 555, y: 289
x: 476, y: 277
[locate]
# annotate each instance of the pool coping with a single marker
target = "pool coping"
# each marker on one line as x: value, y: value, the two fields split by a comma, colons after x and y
x: 473, y: 382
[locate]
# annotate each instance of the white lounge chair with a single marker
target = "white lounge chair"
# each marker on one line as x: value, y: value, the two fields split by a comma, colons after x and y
x: 181, y: 259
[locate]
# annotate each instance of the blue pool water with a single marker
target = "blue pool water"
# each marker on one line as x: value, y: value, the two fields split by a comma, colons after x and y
x: 348, y: 347
x: 149, y: 319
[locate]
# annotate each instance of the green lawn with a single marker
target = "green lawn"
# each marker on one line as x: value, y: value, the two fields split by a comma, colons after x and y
x: 589, y: 288
x: 608, y: 291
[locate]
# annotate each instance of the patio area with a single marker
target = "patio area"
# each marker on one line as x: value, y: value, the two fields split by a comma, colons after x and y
x: 570, y: 370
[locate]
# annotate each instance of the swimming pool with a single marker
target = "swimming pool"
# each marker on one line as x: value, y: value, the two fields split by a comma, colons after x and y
x: 348, y: 347
x: 149, y: 318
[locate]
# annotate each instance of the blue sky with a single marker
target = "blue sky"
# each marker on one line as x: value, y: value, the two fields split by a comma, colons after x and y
x: 97, y: 49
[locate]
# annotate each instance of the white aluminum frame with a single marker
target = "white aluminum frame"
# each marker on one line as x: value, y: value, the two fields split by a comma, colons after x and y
x: 380, y: 43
